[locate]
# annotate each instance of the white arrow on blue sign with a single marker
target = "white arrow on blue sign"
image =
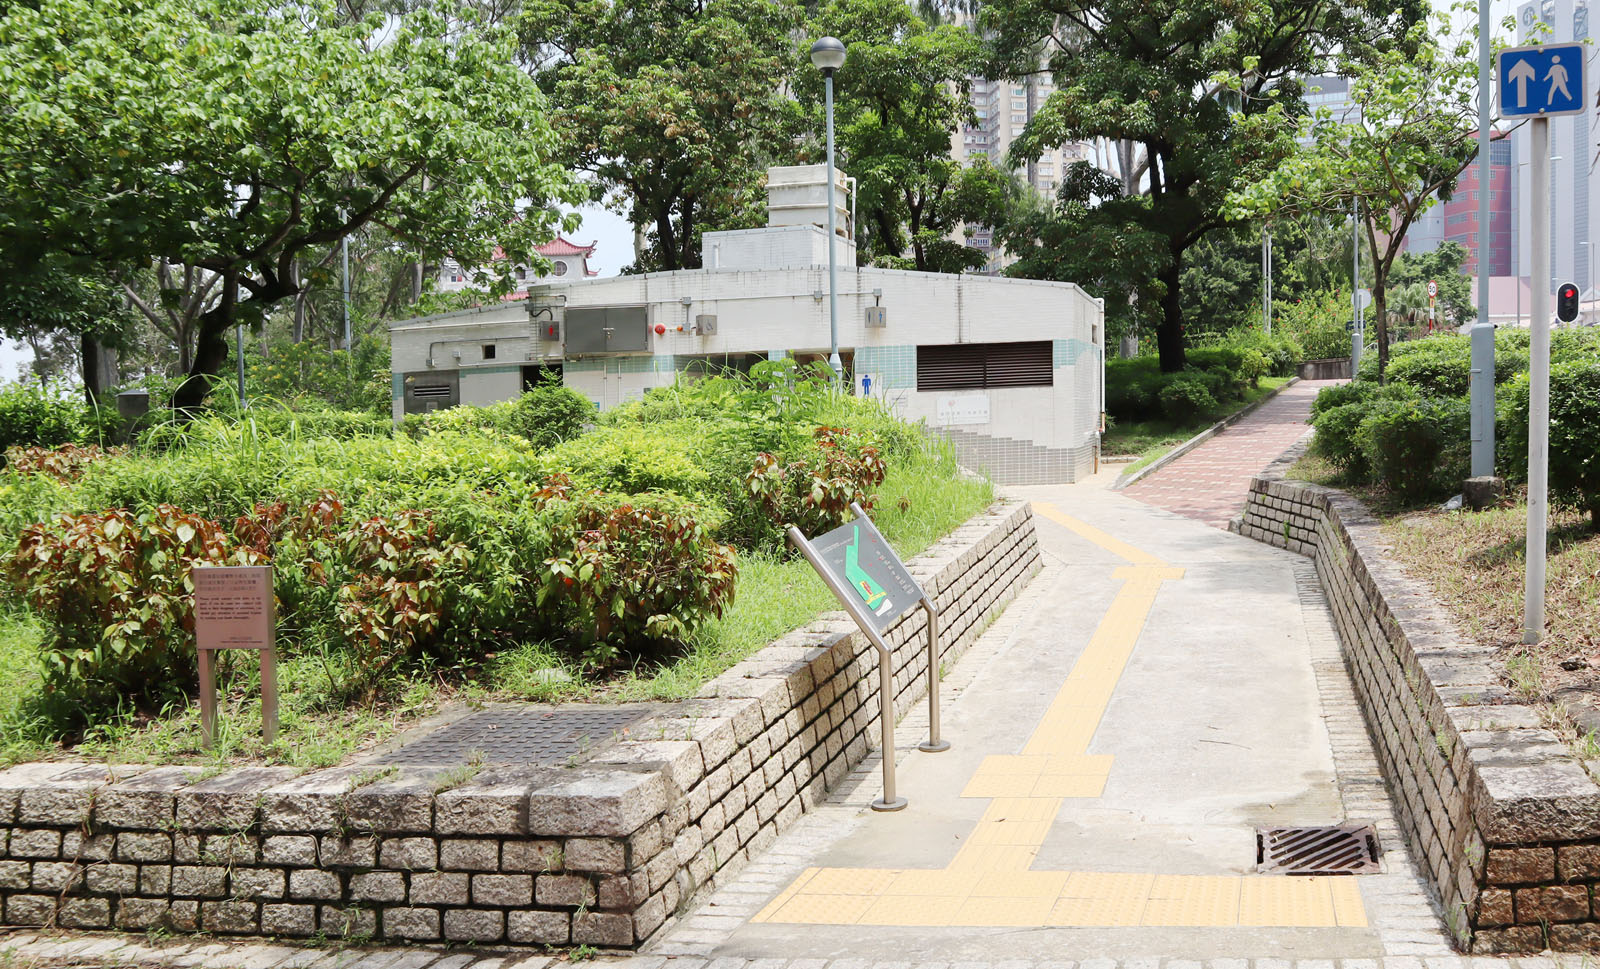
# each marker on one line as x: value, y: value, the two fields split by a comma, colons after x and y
x: 1542, y: 80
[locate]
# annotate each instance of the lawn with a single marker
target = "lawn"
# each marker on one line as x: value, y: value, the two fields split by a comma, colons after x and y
x: 1149, y: 440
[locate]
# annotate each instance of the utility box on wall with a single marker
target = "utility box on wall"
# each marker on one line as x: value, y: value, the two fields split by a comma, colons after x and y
x: 607, y: 329
x: 877, y: 316
x: 705, y: 324
x: 432, y: 390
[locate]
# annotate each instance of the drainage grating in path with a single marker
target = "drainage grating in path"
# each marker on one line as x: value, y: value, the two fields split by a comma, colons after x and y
x: 1339, y: 849
x: 539, y: 736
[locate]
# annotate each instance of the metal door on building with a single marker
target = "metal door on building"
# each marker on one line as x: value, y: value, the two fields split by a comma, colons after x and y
x: 607, y: 329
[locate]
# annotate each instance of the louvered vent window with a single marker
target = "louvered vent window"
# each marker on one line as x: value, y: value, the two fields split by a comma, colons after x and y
x: 980, y: 366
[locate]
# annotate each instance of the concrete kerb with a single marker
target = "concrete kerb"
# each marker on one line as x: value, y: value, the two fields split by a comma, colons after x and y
x: 600, y: 853
x: 1501, y: 817
x: 1128, y: 478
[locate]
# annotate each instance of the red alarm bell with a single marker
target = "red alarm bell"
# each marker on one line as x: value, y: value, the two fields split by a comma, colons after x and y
x: 660, y: 329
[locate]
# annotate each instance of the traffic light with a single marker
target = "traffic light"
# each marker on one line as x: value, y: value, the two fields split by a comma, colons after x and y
x: 1567, y: 302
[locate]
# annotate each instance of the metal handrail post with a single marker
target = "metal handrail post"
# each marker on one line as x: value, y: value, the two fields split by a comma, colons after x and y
x: 933, y: 744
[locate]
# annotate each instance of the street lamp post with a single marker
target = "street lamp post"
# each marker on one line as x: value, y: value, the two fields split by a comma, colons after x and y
x: 827, y: 55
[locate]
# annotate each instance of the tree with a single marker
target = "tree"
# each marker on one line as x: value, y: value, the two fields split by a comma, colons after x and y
x: 902, y: 95
x: 674, y: 108
x: 290, y: 130
x: 1416, y: 133
x: 1206, y: 87
x: 65, y: 314
x: 1455, y: 303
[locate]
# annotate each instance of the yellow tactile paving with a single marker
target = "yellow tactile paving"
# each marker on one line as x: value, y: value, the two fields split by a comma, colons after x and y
x: 990, y: 882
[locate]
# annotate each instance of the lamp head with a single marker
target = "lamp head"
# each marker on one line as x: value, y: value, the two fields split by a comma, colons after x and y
x: 827, y: 54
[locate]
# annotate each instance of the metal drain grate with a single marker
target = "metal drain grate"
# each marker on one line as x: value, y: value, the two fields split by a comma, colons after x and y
x: 541, y: 737
x: 1341, y: 849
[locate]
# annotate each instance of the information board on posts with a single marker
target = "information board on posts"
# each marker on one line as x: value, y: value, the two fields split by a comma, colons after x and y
x: 233, y: 607
x: 860, y: 560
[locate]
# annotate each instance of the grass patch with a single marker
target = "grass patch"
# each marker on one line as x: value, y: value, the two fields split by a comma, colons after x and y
x: 1474, y: 561
x: 1152, y: 439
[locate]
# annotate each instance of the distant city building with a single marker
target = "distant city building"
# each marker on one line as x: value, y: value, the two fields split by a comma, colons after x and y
x: 1333, y: 93
x: 1460, y: 214
x: 1574, y: 178
x: 568, y: 260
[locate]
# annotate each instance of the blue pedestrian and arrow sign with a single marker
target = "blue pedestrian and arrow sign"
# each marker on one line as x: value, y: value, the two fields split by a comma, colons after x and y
x: 1542, y: 80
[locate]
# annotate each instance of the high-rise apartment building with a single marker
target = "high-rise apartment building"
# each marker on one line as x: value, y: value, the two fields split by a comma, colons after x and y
x: 1003, y: 109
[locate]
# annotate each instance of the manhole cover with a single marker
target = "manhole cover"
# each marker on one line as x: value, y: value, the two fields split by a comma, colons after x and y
x: 543, y: 737
x: 1341, y: 849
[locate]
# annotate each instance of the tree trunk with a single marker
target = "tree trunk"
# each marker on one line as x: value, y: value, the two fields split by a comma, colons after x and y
x: 1169, y: 335
x: 1380, y: 313
x: 211, y: 350
x: 665, y: 241
x: 99, y: 370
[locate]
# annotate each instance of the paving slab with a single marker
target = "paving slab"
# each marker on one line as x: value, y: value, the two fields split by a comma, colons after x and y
x: 1210, y: 483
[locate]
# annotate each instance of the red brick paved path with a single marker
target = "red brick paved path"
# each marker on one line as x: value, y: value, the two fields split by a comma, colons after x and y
x: 1210, y: 483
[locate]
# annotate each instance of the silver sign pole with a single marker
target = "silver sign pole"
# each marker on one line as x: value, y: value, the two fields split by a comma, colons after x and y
x: 889, y: 801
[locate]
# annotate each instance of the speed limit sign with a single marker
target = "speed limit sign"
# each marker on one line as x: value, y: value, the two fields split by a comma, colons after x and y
x: 1433, y: 288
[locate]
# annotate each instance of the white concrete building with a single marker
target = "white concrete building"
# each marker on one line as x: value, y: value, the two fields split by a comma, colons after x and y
x: 1010, y: 370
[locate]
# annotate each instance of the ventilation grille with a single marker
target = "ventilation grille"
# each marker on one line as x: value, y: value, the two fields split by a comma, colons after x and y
x: 980, y: 366
x: 430, y: 391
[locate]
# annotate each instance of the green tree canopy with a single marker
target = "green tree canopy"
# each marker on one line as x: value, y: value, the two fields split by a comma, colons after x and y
x: 900, y: 99
x: 1206, y: 89
x: 1415, y: 134
x: 675, y: 109
x: 234, y: 135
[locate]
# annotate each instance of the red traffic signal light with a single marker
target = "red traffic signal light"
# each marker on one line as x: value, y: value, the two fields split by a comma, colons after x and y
x: 1567, y: 302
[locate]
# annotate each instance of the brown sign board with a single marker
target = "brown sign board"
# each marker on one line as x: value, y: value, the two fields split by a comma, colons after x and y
x: 233, y: 607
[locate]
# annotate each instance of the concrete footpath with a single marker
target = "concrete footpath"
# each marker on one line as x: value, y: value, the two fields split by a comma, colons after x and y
x: 1160, y: 691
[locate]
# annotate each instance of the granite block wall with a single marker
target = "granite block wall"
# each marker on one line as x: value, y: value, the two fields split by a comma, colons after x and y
x: 600, y: 853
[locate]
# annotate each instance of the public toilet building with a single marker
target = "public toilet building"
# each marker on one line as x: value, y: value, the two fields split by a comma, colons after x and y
x: 1010, y: 370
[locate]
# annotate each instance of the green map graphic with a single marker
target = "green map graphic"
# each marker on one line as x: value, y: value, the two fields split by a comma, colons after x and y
x: 863, y: 583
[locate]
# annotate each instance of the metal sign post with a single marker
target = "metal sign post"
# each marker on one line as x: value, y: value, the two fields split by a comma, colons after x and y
x: 234, y: 609
x: 1538, y: 82
x: 869, y: 580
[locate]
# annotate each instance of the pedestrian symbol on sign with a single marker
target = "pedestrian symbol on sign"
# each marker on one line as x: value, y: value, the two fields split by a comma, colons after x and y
x: 1542, y: 80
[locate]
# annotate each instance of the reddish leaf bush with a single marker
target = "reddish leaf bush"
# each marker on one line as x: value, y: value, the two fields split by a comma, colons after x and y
x: 65, y: 463
x: 405, y: 575
x: 816, y: 495
x: 633, y: 574
x: 114, y: 589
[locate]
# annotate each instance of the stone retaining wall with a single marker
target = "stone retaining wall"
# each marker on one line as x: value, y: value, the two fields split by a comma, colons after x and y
x: 1500, y: 815
x: 601, y: 853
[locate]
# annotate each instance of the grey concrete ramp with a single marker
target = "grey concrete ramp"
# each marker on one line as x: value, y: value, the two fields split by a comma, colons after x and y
x: 1160, y: 691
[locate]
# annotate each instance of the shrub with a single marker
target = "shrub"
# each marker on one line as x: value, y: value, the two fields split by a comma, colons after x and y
x: 1416, y: 446
x: 1185, y: 398
x: 632, y: 573
x: 549, y: 414
x: 814, y: 494
x: 632, y: 458
x: 40, y: 415
x: 405, y: 576
x: 1574, y: 466
x: 66, y: 463
x: 1335, y: 439
x: 1133, y: 386
x: 113, y: 589
x: 1337, y: 395
x: 1317, y: 323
